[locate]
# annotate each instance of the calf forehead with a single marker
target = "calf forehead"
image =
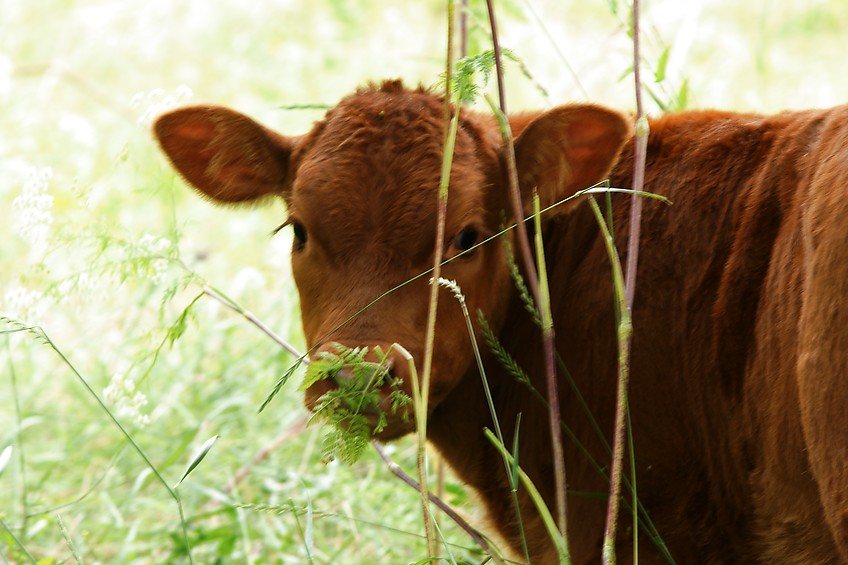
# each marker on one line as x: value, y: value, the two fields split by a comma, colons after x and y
x: 371, y: 170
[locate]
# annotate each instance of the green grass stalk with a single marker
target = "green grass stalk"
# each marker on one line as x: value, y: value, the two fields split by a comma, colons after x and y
x: 625, y: 329
x: 559, y: 540
x: 306, y: 532
x: 233, y: 305
x: 532, y: 278
x: 544, y: 302
x: 40, y: 335
x: 534, y: 283
x: 457, y: 292
x: 397, y: 471
x: 421, y: 405
x: 641, y: 516
x: 17, y: 541
x: 68, y: 541
x: 634, y: 501
x: 496, y: 45
x: 625, y: 333
x: 24, y: 493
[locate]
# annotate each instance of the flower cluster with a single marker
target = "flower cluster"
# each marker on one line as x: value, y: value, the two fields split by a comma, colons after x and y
x: 88, y: 287
x: 157, y: 249
x: 127, y: 400
x: 153, y: 244
x: 24, y: 305
x: 157, y: 101
x: 32, y: 209
x: 247, y: 278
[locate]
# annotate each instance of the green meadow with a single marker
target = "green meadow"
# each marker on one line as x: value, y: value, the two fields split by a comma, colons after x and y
x: 117, y: 370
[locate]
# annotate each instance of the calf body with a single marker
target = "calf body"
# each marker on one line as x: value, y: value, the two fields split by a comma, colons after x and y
x: 739, y: 371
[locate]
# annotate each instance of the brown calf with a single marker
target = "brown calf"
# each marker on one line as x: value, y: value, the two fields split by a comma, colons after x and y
x: 739, y: 390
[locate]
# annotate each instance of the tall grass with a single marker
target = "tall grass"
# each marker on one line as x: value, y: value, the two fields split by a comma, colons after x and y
x: 97, y: 231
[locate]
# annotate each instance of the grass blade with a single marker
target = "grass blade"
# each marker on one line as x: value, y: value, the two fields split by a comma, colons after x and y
x: 5, y: 456
x: 198, y: 457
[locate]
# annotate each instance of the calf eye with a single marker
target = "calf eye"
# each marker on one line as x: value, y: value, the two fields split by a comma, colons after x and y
x: 299, y: 235
x: 466, y: 239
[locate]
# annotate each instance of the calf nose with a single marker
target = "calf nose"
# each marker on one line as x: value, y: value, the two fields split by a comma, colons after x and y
x: 382, y: 364
x: 375, y: 378
x: 375, y: 370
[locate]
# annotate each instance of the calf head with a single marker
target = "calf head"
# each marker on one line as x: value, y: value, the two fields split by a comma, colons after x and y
x: 361, y: 193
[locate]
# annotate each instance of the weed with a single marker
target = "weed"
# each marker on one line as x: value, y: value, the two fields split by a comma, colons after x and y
x: 352, y: 406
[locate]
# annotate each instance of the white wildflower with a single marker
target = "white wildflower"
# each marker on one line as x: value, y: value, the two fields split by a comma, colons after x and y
x: 32, y: 215
x: 79, y: 128
x: 157, y: 101
x: 24, y: 305
x: 158, y: 271
x: 146, y: 240
x: 154, y: 246
x: 246, y: 278
x: 125, y: 398
x: 89, y: 288
x: 155, y: 267
x: 162, y: 245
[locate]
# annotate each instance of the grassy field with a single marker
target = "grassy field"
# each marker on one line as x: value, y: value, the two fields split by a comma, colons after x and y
x: 103, y: 408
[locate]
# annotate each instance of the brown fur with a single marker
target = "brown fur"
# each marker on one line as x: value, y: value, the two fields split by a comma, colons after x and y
x: 739, y: 387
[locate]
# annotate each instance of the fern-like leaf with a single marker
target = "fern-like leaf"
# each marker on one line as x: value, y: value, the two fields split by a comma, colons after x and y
x: 351, y: 406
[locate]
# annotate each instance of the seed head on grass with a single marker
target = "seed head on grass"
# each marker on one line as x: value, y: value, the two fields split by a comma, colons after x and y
x: 501, y: 354
x: 520, y: 285
x: 453, y: 287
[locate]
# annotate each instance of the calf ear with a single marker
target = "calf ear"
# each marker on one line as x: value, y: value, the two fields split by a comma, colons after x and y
x: 225, y: 155
x: 566, y: 150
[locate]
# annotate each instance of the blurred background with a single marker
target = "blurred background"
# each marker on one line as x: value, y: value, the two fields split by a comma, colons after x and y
x: 105, y: 250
